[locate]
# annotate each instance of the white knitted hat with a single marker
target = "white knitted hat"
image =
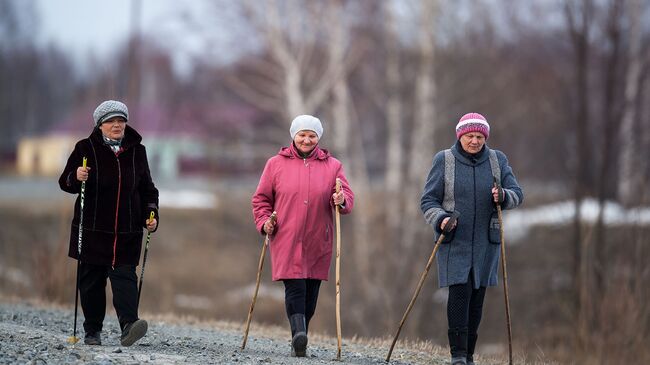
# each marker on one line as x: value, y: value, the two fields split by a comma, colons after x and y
x: 306, y: 122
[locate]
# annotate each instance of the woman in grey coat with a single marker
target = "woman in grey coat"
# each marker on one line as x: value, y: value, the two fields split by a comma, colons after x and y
x: 462, y: 179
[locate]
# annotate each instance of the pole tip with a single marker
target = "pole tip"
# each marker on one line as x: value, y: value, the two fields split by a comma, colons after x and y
x: 73, y: 339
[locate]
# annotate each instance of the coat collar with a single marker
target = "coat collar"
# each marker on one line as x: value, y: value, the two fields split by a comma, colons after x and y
x: 291, y: 152
x: 468, y: 159
x: 131, y: 137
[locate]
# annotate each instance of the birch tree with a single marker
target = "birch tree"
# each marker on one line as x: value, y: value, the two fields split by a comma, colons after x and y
x: 630, y: 177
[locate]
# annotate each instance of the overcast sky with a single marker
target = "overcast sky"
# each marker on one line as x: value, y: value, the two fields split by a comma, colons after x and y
x: 82, y: 27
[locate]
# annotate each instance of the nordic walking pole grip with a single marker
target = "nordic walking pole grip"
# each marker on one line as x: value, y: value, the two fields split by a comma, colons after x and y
x: 448, y: 228
x: 260, y: 265
x: 504, y: 272
x: 152, y: 215
x: 338, y: 273
x: 73, y: 339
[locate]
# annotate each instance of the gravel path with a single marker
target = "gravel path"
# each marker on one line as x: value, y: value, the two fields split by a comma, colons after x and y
x: 37, y: 335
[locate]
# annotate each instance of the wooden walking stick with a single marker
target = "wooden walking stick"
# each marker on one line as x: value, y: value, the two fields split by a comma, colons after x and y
x: 257, y: 284
x: 448, y: 227
x: 338, y: 273
x: 504, y: 271
x: 73, y: 339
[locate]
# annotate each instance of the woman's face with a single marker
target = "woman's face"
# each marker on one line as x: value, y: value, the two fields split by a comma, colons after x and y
x: 113, y: 128
x: 306, y: 141
x: 472, y: 142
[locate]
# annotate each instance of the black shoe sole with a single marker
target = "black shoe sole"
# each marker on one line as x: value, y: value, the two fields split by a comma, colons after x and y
x: 299, y: 344
x: 137, y: 331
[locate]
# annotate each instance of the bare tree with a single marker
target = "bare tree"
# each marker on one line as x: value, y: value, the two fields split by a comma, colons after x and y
x: 579, y: 17
x: 394, y: 120
x: 630, y: 177
x: 610, y: 113
x: 294, y: 37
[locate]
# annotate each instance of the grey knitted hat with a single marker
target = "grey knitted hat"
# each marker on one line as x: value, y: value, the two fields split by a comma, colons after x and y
x: 306, y: 122
x: 110, y: 109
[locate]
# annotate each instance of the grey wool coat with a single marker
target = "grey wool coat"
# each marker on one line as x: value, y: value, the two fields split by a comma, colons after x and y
x: 462, y: 182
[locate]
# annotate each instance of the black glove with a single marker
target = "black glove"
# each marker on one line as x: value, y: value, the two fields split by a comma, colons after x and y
x: 501, y: 196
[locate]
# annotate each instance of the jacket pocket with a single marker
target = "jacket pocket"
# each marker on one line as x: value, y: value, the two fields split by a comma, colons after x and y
x: 494, y: 233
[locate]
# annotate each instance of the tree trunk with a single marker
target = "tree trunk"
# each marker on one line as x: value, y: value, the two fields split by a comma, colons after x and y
x: 579, y: 33
x: 394, y: 146
x: 630, y: 180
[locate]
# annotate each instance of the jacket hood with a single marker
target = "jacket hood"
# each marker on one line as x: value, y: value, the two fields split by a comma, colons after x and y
x: 291, y: 152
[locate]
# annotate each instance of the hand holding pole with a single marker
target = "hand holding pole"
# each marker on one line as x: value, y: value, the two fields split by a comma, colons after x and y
x: 448, y: 227
x: 504, y: 271
x: 260, y: 265
x: 338, y: 273
x: 73, y: 339
x: 144, y: 259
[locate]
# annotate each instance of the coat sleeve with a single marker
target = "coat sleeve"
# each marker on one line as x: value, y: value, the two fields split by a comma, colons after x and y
x: 264, y: 198
x: 514, y: 196
x: 68, y: 180
x: 434, y: 192
x: 148, y: 192
x: 347, y: 192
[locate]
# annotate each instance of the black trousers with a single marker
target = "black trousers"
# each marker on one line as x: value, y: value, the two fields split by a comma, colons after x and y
x: 92, y: 291
x: 464, y: 311
x: 300, y: 296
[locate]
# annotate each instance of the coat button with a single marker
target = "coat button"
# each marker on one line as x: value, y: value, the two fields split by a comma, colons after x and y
x: 305, y: 202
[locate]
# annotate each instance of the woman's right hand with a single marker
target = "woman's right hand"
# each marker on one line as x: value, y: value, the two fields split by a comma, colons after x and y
x: 269, y: 226
x: 444, y: 223
x: 82, y: 173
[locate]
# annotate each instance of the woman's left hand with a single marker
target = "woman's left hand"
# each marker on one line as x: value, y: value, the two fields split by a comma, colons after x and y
x: 497, y: 195
x: 338, y: 198
x: 151, y: 224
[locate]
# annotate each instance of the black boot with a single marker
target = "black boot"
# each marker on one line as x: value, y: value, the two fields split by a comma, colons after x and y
x: 298, y: 335
x: 471, y: 345
x: 93, y: 338
x: 458, y: 345
x: 133, y: 332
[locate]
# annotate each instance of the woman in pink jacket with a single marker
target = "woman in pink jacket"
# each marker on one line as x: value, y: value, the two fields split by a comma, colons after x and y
x: 299, y: 184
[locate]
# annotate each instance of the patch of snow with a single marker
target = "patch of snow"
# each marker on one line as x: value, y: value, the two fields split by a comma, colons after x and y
x: 187, y: 199
x: 193, y: 302
x: 518, y: 222
x: 15, y: 276
x: 245, y: 293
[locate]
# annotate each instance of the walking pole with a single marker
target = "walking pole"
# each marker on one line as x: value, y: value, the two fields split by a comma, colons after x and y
x: 73, y: 339
x: 504, y: 271
x: 338, y: 273
x: 144, y: 258
x: 257, y: 284
x: 448, y: 227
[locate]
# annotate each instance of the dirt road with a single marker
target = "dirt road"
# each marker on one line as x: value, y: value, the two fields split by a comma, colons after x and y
x: 37, y: 335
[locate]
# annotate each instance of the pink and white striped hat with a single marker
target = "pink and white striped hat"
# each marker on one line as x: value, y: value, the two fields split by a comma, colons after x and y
x: 472, y: 122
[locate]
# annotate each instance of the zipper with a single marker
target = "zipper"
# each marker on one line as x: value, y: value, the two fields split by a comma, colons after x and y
x: 117, y: 208
x: 474, y: 222
x: 304, y: 225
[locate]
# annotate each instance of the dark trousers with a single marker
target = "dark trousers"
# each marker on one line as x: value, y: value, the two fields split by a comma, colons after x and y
x: 92, y: 290
x: 300, y: 296
x: 464, y: 312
